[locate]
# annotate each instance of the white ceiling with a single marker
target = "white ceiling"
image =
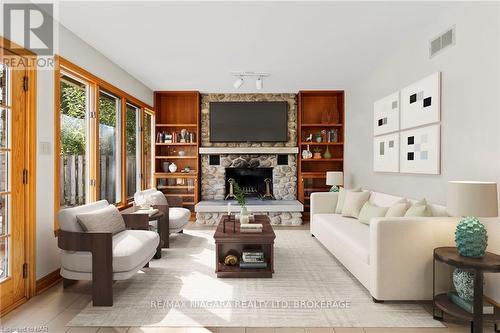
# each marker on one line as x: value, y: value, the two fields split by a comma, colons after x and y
x: 195, y: 45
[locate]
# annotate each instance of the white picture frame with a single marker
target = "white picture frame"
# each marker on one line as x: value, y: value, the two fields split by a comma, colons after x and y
x: 386, y: 114
x: 421, y: 102
x: 386, y: 153
x: 421, y: 150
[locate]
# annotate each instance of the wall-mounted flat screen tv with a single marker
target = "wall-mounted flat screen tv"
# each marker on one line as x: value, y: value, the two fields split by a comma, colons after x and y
x: 248, y: 121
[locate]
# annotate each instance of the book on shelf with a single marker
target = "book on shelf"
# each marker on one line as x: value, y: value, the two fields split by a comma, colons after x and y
x: 244, y: 264
x: 251, y: 226
x: 250, y: 231
x: 468, y: 306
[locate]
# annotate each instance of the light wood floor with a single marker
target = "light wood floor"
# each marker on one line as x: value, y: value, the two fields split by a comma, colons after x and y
x: 53, y: 309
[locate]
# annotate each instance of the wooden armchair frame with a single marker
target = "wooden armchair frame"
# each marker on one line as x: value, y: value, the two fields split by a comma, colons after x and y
x: 100, y: 244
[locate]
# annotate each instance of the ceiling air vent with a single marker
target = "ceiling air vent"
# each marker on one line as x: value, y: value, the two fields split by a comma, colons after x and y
x: 442, y: 41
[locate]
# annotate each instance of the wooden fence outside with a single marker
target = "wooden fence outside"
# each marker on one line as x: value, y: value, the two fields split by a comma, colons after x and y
x: 73, y: 176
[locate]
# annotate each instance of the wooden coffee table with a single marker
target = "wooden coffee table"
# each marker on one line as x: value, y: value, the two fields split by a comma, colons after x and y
x: 235, y: 240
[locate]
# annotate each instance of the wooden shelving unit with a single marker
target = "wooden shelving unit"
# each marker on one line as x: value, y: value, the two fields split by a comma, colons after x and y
x: 317, y: 111
x: 177, y: 110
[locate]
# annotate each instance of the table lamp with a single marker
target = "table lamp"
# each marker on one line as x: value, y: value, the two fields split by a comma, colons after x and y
x: 471, y: 200
x: 336, y: 179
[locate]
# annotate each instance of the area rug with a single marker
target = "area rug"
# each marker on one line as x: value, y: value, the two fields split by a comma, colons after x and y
x: 309, y: 289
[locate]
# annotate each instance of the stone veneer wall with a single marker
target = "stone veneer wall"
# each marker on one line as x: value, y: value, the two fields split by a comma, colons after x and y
x: 282, y: 218
x: 213, y: 178
x: 292, y: 117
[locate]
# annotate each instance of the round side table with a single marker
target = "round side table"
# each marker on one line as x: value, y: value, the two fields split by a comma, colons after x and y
x: 490, y: 263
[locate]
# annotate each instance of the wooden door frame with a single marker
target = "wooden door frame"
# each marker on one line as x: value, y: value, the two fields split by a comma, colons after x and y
x: 30, y: 156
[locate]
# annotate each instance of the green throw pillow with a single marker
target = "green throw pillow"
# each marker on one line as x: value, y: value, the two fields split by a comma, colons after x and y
x: 419, y: 209
x: 370, y: 211
x: 341, y: 198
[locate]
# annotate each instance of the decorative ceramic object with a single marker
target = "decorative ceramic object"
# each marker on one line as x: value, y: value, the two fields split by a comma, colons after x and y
x: 464, y: 283
x: 318, y: 138
x: 182, y: 153
x: 334, y: 188
x: 471, y: 237
x: 164, y: 166
x: 231, y: 260
x: 306, y: 154
x: 327, y: 153
x: 172, y: 167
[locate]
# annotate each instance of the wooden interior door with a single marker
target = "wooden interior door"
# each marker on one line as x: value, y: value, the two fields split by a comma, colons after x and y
x: 13, y: 177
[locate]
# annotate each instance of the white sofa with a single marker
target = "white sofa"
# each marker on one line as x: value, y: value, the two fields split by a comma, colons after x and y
x: 391, y: 257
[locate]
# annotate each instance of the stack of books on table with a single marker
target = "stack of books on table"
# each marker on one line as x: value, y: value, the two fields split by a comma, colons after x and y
x: 250, y: 227
x: 253, y: 259
x: 468, y: 306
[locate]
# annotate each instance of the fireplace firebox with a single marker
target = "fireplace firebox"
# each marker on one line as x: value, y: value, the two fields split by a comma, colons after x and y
x: 251, y: 180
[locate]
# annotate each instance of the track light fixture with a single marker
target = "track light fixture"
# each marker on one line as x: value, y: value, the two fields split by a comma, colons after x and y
x: 238, y: 83
x: 259, y: 82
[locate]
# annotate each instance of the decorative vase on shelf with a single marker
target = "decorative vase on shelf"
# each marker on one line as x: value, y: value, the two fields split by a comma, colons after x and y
x: 244, y: 210
x: 172, y: 167
x: 164, y: 166
x: 327, y: 153
x: 463, y: 281
x: 471, y: 237
x: 306, y: 154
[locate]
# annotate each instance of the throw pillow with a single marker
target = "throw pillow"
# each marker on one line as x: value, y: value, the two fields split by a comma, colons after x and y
x: 341, y: 198
x: 419, y: 209
x: 354, y: 201
x: 106, y: 219
x: 398, y: 209
x: 370, y: 211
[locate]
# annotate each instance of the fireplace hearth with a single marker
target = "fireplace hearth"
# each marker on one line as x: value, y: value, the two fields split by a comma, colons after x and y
x: 251, y: 180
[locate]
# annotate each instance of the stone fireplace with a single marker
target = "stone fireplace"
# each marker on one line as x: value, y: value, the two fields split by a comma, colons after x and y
x: 252, y: 181
x: 257, y: 166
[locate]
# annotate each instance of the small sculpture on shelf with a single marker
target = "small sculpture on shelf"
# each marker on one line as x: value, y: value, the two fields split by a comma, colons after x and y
x: 309, y: 138
x: 231, y: 258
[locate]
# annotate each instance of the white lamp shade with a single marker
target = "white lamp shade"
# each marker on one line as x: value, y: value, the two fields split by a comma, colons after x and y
x: 478, y: 199
x: 334, y: 178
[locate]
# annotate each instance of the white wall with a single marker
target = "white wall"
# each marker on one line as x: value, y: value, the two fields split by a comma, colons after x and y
x: 77, y: 51
x: 470, y: 108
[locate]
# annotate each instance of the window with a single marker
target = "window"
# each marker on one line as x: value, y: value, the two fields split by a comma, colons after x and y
x: 102, y: 151
x: 147, y: 150
x: 133, y: 175
x: 109, y: 147
x: 74, y: 133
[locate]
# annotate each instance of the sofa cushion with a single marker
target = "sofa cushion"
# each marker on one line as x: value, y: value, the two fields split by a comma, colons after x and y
x: 370, y: 211
x: 341, y: 198
x: 348, y: 232
x: 385, y: 200
x: 398, y: 209
x: 67, y: 216
x: 419, y: 209
x: 130, y: 248
x: 354, y: 201
x: 107, y: 219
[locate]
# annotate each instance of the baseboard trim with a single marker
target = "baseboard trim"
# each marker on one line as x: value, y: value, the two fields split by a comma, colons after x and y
x: 47, y: 281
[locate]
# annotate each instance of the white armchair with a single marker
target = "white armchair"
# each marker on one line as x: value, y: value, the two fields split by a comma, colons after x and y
x: 178, y: 217
x: 103, y: 256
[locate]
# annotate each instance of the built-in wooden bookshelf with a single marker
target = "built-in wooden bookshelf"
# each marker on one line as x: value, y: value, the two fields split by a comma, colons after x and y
x: 320, y: 113
x: 177, y: 111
